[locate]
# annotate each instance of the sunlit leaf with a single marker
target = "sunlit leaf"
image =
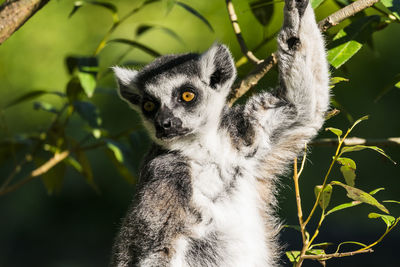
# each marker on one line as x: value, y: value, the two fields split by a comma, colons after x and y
x: 195, y: 13
x: 86, y: 68
x: 88, y: 112
x: 338, y: 132
x: 135, y: 44
x: 389, y: 220
x: 315, y: 252
x: 348, y: 149
x: 262, y: 10
x: 325, y: 195
x: 348, y: 170
x: 358, y: 121
x: 348, y: 41
x: 391, y: 201
x: 359, y: 195
x: 293, y: 255
x: 335, y: 80
x: 373, y: 192
x: 118, y: 155
x: 344, y: 206
x: 393, y: 6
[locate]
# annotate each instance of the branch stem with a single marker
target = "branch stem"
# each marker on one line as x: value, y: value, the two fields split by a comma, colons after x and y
x: 236, y: 28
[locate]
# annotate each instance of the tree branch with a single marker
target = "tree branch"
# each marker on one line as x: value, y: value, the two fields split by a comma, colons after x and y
x: 264, y: 66
x: 236, y: 28
x: 326, y: 142
x: 335, y: 255
x: 344, y: 13
x: 14, y: 13
x: 57, y: 158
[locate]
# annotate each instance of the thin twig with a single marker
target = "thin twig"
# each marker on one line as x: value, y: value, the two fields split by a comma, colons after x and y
x: 57, y: 158
x: 335, y: 255
x: 299, y: 214
x: 236, y: 28
x: 265, y: 66
x: 352, y: 141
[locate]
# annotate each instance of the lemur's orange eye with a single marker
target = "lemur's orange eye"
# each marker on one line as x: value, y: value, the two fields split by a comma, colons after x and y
x: 188, y: 96
x: 149, y: 106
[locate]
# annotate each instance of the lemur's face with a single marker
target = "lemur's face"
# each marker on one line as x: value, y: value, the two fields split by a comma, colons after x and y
x: 179, y: 95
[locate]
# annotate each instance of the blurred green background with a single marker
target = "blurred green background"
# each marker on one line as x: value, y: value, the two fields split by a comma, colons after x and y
x: 76, y: 226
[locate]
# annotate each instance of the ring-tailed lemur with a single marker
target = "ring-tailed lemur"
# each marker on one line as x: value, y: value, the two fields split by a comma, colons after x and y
x: 206, y: 191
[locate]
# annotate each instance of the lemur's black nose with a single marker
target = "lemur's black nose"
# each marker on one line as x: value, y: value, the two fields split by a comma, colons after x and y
x: 166, y: 124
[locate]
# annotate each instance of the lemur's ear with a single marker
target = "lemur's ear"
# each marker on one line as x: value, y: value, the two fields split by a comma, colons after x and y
x: 217, y: 67
x: 127, y: 89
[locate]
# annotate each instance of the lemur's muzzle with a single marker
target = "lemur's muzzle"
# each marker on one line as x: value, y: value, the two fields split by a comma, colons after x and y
x: 167, y: 125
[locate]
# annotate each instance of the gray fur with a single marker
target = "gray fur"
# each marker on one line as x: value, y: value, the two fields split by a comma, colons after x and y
x: 207, y: 188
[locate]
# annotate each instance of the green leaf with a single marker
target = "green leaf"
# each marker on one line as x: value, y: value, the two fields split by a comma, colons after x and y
x: 348, y: 41
x: 169, y: 5
x: 348, y: 149
x: 262, y: 10
x: 347, y: 162
x: 336, y: 80
x: 52, y: 179
x: 30, y: 96
x: 119, y: 155
x: 195, y: 13
x: 349, y: 175
x: 373, y: 192
x: 74, y: 89
x: 343, y: 206
x: 87, y: 68
x: 351, y: 204
x: 392, y: 201
x: 315, y: 252
x: 293, y: 255
x: 88, y: 112
x: 338, y: 132
x: 348, y: 170
x: 325, y: 195
x: 145, y: 28
x: 86, y: 169
x: 88, y: 82
x: 389, y: 220
x: 358, y: 121
x: 44, y: 106
x: 110, y: 7
x: 393, y: 6
x: 316, y: 3
x: 359, y: 195
x: 135, y: 44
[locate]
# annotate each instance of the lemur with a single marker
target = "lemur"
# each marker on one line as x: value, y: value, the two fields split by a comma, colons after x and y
x: 206, y: 195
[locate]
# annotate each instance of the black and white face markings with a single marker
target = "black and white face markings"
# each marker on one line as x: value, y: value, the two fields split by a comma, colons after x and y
x: 167, y: 116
